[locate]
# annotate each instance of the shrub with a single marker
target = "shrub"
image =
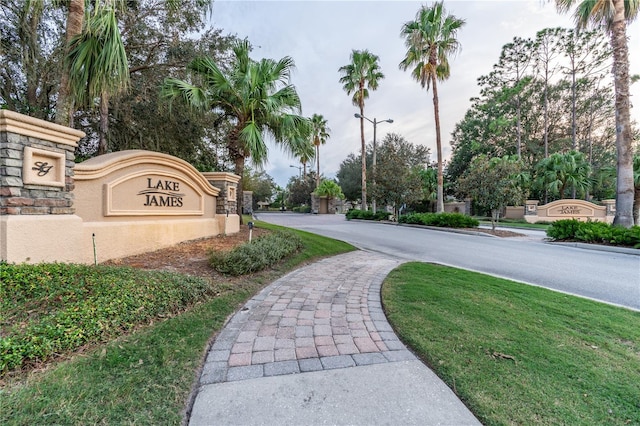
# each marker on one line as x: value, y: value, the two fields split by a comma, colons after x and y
x: 594, y: 232
x: 262, y: 252
x: 48, y: 309
x: 301, y: 209
x: 563, y: 229
x: 446, y: 220
x: 367, y: 215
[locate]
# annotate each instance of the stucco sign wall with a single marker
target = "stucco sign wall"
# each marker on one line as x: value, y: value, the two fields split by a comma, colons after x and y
x: 153, y: 193
x: 569, y: 209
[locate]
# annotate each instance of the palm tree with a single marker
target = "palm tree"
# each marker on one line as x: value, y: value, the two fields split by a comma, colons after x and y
x: 430, y: 39
x: 64, y: 103
x: 636, y: 181
x: 256, y: 95
x: 615, y: 14
x: 98, y: 65
x: 360, y: 76
x: 559, y: 171
x: 320, y: 134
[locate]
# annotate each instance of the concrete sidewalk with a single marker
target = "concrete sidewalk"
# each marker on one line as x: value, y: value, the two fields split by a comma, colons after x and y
x: 314, y: 347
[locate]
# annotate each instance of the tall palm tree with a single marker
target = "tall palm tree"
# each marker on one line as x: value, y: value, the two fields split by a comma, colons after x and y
x: 320, y: 134
x: 360, y: 76
x: 256, y: 95
x: 64, y: 103
x: 98, y: 66
x: 614, y: 15
x: 636, y: 181
x: 430, y: 39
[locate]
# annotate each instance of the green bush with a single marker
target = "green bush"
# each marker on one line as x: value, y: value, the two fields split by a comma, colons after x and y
x: 47, y: 309
x: 261, y: 253
x: 445, y: 220
x: 301, y: 209
x: 367, y: 215
x: 594, y: 232
x: 563, y: 229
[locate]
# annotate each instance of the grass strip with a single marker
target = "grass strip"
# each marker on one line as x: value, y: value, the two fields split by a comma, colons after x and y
x: 147, y: 376
x: 519, y: 354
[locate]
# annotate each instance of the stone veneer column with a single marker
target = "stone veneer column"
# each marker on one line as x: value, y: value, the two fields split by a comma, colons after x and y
x: 247, y: 202
x: 228, y: 184
x: 36, y: 187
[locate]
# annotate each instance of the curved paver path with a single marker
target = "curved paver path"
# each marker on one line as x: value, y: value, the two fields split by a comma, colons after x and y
x: 323, y: 316
x: 314, y: 347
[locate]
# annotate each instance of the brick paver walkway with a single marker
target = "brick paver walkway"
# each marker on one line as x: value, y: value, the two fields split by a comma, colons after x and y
x: 323, y: 316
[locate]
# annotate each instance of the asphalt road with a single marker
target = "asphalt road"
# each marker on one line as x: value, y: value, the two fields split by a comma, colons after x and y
x: 609, y: 277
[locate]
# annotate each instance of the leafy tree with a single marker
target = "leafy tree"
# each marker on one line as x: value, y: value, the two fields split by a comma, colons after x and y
x: 360, y: 76
x: 615, y: 14
x: 257, y: 94
x: 494, y: 184
x: 546, y: 50
x: 261, y: 184
x: 300, y: 189
x: 559, y: 172
x: 430, y: 39
x: 349, y: 177
x: 511, y: 71
x: 400, y: 166
x: 320, y: 134
x: 30, y: 53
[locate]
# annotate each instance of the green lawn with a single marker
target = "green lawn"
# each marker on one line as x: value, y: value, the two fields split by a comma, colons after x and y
x: 518, y: 354
x: 146, y: 376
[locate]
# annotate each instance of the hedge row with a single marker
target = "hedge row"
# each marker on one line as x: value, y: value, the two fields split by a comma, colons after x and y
x: 594, y: 232
x: 47, y: 309
x: 445, y: 220
x: 261, y: 253
x: 366, y: 215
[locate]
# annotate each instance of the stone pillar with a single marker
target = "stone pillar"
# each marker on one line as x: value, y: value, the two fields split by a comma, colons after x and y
x: 227, y: 201
x: 36, y: 184
x: 611, y: 209
x: 467, y: 206
x: 247, y: 202
x: 531, y: 211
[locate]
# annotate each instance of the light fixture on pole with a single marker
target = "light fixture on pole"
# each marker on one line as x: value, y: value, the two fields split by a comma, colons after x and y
x: 297, y: 167
x: 375, y: 125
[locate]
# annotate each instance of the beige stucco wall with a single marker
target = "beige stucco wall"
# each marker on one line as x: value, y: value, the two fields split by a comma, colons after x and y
x: 40, y: 238
x: 110, y: 194
x: 570, y: 209
x: 131, y: 201
x: 119, y: 239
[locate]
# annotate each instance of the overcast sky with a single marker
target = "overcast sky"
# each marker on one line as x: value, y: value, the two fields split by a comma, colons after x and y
x: 320, y: 35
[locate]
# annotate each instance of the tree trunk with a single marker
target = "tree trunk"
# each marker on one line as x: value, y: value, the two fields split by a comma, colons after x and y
x: 318, y: 162
x: 239, y: 170
x: 103, y: 146
x: 64, y: 104
x: 363, y: 150
x: 636, y: 207
x: 624, y: 143
x: 440, y: 190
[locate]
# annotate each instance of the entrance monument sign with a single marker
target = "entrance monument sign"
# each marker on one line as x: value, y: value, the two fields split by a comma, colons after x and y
x: 110, y: 206
x: 569, y: 209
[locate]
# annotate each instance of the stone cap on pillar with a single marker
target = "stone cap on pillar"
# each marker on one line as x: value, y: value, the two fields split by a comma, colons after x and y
x: 13, y: 122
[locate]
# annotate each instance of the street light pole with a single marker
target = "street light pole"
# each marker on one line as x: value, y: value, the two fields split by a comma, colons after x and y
x: 297, y: 167
x: 375, y: 125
